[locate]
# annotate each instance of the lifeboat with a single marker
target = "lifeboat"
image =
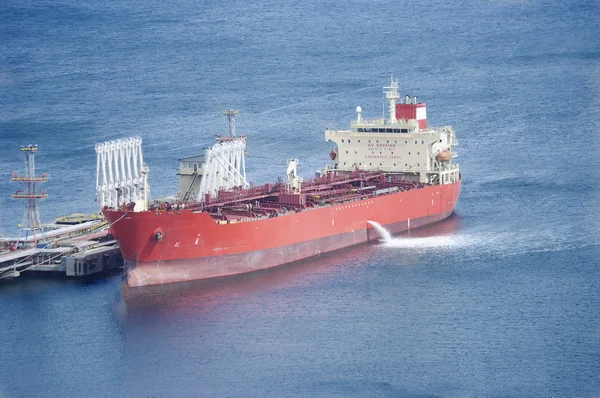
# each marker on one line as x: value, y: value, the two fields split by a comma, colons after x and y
x: 444, y: 156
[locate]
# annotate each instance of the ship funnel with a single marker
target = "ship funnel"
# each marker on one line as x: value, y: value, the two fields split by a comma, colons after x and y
x: 358, y: 114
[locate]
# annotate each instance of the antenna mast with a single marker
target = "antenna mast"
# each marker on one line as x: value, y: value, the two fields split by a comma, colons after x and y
x: 230, y: 113
x: 392, y: 95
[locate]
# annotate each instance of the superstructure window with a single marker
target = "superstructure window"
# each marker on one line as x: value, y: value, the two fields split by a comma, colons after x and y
x: 342, y: 141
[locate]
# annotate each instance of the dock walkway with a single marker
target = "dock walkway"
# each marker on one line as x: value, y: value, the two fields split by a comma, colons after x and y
x: 77, y: 246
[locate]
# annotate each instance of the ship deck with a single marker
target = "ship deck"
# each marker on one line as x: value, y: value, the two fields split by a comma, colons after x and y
x: 273, y: 200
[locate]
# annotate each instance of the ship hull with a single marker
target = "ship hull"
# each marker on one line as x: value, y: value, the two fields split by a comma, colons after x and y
x: 194, y: 247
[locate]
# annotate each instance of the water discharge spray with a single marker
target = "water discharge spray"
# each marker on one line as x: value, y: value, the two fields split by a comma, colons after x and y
x: 421, y: 242
x: 384, y: 233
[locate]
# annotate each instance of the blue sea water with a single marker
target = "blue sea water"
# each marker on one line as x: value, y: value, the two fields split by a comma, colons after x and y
x: 502, y: 299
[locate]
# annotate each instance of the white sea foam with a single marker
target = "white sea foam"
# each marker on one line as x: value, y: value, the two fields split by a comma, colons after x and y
x: 419, y: 242
x: 427, y: 242
x: 496, y: 242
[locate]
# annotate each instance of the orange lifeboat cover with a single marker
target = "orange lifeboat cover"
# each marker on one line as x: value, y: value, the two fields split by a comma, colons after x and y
x: 444, y: 156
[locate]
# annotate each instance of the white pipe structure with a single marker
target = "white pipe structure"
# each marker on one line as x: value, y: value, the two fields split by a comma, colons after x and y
x: 294, y: 182
x: 120, y: 173
x: 225, y: 168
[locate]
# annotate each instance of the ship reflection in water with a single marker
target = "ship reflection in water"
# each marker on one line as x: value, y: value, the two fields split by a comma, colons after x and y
x: 207, y: 296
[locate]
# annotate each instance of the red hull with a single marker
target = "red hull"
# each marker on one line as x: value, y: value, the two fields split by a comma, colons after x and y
x: 194, y: 246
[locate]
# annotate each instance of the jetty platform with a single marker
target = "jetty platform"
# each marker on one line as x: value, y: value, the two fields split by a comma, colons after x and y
x: 78, y: 245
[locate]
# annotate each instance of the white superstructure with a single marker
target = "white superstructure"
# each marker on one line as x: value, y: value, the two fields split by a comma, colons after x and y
x: 402, y: 144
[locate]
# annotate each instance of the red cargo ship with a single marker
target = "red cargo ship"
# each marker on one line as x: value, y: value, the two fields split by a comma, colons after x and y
x: 395, y: 171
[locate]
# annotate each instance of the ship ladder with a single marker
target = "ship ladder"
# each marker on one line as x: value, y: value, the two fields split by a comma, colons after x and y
x: 188, y: 192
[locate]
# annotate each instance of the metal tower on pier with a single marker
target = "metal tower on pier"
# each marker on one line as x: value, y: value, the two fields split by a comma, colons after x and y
x: 31, y: 225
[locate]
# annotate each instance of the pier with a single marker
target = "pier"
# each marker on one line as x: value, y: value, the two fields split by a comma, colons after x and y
x: 76, y: 245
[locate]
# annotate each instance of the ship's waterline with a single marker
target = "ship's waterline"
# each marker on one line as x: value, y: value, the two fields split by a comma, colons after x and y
x: 177, y: 270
